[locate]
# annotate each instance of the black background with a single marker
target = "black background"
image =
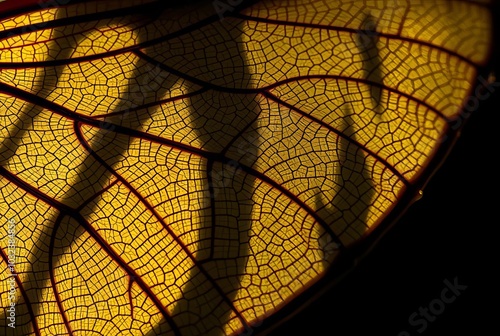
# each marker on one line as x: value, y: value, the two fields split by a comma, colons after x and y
x: 451, y: 232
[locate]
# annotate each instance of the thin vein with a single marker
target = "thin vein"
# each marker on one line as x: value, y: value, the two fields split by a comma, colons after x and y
x: 19, y: 284
x: 62, y: 311
x: 356, y: 31
x: 93, y: 233
x: 340, y: 134
x: 164, y: 225
x: 220, y: 88
x: 60, y: 110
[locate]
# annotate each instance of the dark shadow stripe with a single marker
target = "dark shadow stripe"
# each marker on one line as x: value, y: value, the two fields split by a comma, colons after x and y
x: 27, y: 302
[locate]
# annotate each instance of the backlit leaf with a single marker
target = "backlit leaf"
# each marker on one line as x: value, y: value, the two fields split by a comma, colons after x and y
x: 198, y: 169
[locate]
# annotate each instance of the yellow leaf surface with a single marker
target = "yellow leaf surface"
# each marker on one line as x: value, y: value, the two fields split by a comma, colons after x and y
x: 193, y: 169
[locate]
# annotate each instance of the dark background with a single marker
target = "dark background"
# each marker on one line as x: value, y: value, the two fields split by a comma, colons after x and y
x: 451, y: 232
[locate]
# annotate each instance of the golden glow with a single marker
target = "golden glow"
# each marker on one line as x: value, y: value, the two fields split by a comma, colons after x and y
x: 217, y: 160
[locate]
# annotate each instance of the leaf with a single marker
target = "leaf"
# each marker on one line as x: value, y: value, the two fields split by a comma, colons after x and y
x: 200, y: 169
